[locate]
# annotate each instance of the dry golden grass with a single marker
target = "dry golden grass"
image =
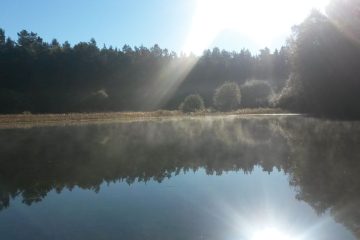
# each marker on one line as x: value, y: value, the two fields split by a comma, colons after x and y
x: 28, y: 120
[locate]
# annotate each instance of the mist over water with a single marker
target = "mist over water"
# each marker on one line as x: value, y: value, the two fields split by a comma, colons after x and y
x: 186, y: 178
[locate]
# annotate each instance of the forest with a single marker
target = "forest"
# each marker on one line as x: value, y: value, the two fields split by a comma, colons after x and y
x: 50, y: 77
x: 316, y: 72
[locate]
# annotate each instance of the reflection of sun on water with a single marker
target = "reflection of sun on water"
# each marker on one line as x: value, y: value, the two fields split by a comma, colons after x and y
x: 270, y: 234
x: 259, y: 20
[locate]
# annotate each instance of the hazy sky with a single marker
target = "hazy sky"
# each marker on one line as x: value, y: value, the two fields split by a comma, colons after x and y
x: 179, y: 25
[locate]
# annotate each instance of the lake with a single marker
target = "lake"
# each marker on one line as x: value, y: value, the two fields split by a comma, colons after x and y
x: 228, y: 178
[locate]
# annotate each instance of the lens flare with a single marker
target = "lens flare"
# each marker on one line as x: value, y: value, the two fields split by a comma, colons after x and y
x: 270, y: 234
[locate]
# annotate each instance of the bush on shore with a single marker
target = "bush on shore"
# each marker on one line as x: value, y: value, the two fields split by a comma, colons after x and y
x: 192, y: 103
x: 227, y: 97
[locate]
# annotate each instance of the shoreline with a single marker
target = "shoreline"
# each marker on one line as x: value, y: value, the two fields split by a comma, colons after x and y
x: 31, y: 120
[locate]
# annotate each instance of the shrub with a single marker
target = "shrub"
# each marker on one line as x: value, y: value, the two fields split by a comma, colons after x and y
x: 95, y: 101
x: 255, y: 93
x: 291, y: 96
x: 192, y: 103
x: 227, y: 97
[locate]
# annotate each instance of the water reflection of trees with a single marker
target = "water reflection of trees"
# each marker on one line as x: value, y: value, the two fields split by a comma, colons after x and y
x: 35, y: 161
x: 321, y: 157
x: 325, y: 167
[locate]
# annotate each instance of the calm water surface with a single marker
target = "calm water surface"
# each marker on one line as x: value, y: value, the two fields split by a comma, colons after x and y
x: 225, y: 178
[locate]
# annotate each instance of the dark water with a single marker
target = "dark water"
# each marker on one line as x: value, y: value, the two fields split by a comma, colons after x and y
x: 215, y: 178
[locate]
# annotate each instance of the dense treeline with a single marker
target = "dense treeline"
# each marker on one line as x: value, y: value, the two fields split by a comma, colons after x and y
x: 38, y: 76
x: 317, y: 72
x: 325, y: 56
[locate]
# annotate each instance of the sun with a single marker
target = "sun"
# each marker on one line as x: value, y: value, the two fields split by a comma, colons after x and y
x: 259, y: 20
x: 270, y: 234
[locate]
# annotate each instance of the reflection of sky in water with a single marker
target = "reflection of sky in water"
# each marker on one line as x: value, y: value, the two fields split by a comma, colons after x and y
x: 187, y: 206
x: 320, y: 158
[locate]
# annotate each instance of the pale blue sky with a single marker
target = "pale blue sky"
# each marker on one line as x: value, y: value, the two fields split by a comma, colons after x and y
x: 119, y: 22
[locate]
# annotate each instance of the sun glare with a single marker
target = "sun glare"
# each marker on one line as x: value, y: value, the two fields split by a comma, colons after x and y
x: 259, y: 20
x: 270, y: 234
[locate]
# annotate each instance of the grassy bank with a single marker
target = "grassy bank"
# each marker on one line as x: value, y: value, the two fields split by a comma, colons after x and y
x: 14, y: 120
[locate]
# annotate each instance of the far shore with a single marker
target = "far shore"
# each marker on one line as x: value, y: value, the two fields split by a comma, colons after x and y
x: 29, y: 120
